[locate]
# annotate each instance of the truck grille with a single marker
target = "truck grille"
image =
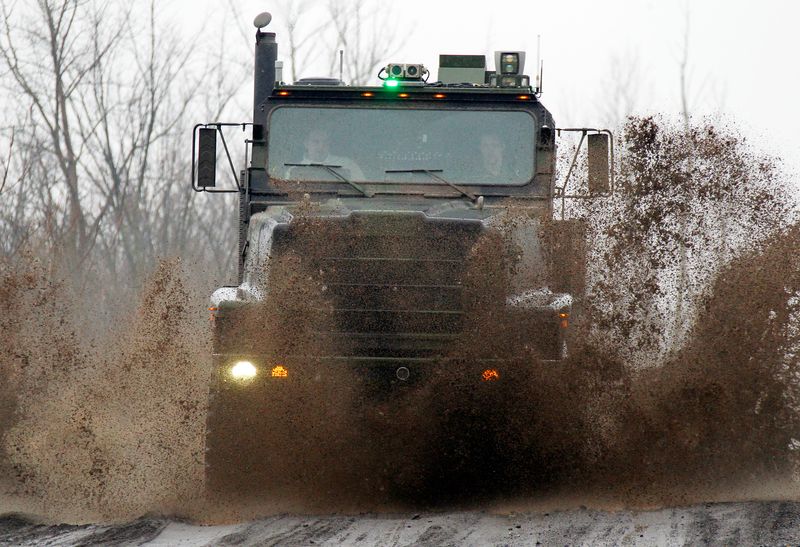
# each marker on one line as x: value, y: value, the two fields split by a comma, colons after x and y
x: 392, y: 285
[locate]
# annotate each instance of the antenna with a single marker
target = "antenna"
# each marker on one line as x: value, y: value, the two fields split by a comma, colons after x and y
x: 541, y: 78
x: 341, y: 65
x: 539, y: 63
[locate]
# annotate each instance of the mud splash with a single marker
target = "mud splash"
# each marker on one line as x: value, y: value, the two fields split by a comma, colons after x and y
x: 681, y: 384
x: 691, y: 300
x: 723, y: 414
x: 102, y: 428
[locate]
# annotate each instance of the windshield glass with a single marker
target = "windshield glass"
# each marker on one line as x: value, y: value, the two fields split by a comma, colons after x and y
x: 486, y: 148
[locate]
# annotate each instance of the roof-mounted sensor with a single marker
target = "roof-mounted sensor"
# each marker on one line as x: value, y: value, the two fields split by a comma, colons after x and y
x: 397, y: 74
x: 462, y: 69
x: 509, y: 66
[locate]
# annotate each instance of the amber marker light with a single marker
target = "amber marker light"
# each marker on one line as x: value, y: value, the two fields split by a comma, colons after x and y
x: 490, y: 375
x: 279, y: 371
x: 368, y: 94
x: 523, y: 97
x: 564, y: 320
x: 439, y: 95
x: 403, y: 95
x: 283, y: 93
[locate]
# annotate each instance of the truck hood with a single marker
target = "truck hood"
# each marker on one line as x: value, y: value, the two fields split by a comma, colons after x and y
x: 529, y: 293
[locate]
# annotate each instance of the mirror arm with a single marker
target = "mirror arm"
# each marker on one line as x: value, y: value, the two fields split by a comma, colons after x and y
x: 563, y: 187
x: 230, y: 161
x: 611, y: 151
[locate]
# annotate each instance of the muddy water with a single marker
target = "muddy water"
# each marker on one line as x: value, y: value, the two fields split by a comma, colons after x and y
x: 681, y: 386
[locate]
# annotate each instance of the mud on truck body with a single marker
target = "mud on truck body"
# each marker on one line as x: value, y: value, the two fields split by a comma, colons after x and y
x: 388, y: 235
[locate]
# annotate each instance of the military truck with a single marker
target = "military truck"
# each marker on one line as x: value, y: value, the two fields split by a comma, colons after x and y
x: 392, y: 234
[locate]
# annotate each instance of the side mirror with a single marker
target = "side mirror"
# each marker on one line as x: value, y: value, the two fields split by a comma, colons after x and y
x: 207, y: 157
x: 598, y: 164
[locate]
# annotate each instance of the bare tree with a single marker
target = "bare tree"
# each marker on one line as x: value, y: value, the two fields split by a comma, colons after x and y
x: 303, y: 40
x: 136, y: 118
x: 691, y: 92
x: 364, y: 29
x: 7, y: 162
x: 314, y: 29
x: 623, y: 85
x: 683, y: 64
x: 691, y: 95
x: 677, y: 329
x: 17, y: 220
x: 49, y: 62
x: 102, y: 127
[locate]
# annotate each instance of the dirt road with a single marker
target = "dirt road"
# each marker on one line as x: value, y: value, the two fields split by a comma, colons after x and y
x: 751, y: 523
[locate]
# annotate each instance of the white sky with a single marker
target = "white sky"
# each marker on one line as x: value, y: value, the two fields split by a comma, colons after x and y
x: 743, y: 55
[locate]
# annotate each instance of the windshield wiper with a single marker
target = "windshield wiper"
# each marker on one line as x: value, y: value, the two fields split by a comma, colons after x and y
x: 432, y: 173
x: 332, y: 170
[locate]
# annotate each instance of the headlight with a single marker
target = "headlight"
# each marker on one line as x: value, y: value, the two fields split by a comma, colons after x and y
x: 243, y: 370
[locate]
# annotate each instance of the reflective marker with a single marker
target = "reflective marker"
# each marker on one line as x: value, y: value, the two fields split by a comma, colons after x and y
x: 490, y: 375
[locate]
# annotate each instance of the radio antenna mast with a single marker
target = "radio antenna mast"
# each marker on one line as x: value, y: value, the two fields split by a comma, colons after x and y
x: 538, y: 63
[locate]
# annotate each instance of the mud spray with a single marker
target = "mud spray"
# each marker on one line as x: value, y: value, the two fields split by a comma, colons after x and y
x: 105, y: 426
x: 681, y: 384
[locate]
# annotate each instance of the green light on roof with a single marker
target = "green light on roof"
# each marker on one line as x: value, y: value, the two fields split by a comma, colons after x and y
x: 391, y: 83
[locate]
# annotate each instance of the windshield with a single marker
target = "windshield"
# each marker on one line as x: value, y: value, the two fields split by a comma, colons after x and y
x: 473, y: 147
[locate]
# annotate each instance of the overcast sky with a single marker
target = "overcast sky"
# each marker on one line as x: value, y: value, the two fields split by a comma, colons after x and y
x: 743, y: 55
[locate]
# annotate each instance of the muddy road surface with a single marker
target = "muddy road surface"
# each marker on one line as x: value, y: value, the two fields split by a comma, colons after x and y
x: 751, y: 523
